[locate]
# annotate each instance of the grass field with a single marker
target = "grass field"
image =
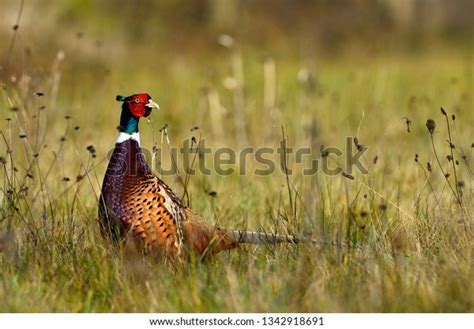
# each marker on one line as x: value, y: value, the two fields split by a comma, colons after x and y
x: 397, y: 239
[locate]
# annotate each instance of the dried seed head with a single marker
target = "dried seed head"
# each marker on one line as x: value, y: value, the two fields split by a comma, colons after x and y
x: 76, y: 128
x: 213, y: 194
x: 62, y: 139
x: 431, y: 125
x: 348, y: 175
x: 91, y: 149
x: 428, y: 166
x: 383, y: 206
x: 416, y: 157
x: 164, y: 128
x: 461, y: 184
x: 22, y: 136
x: 364, y: 213
x: 447, y: 175
x: 443, y: 112
x: 39, y: 93
x: 376, y: 158
x: 449, y: 157
x: 356, y: 141
x: 79, y: 178
x: 359, y: 146
x: 408, y: 122
x: 66, y: 179
x: 324, y: 153
x: 453, y: 117
x: 3, y: 161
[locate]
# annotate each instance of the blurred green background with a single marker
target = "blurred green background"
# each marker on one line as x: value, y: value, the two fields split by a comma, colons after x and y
x: 182, y: 51
x: 185, y: 29
x: 125, y: 38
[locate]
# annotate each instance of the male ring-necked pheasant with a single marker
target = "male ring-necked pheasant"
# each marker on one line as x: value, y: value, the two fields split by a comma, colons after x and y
x: 137, y: 205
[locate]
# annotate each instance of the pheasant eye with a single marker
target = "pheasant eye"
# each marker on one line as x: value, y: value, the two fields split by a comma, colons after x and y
x: 137, y: 100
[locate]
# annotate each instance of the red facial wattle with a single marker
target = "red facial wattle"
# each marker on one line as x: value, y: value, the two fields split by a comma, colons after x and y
x: 137, y: 105
x: 137, y: 109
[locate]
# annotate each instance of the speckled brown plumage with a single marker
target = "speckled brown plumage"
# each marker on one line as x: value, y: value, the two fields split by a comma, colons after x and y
x: 151, y: 221
x: 135, y: 202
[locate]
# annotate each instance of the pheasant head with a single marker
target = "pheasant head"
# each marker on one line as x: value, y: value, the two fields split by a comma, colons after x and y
x: 134, y: 107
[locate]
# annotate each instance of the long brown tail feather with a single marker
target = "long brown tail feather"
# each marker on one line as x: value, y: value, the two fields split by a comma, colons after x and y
x: 206, y: 239
x: 252, y: 237
x: 263, y: 237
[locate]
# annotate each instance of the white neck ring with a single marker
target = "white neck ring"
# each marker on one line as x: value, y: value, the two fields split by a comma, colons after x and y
x: 122, y: 137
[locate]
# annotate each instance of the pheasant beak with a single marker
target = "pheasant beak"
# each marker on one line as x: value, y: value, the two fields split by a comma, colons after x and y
x: 151, y: 104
